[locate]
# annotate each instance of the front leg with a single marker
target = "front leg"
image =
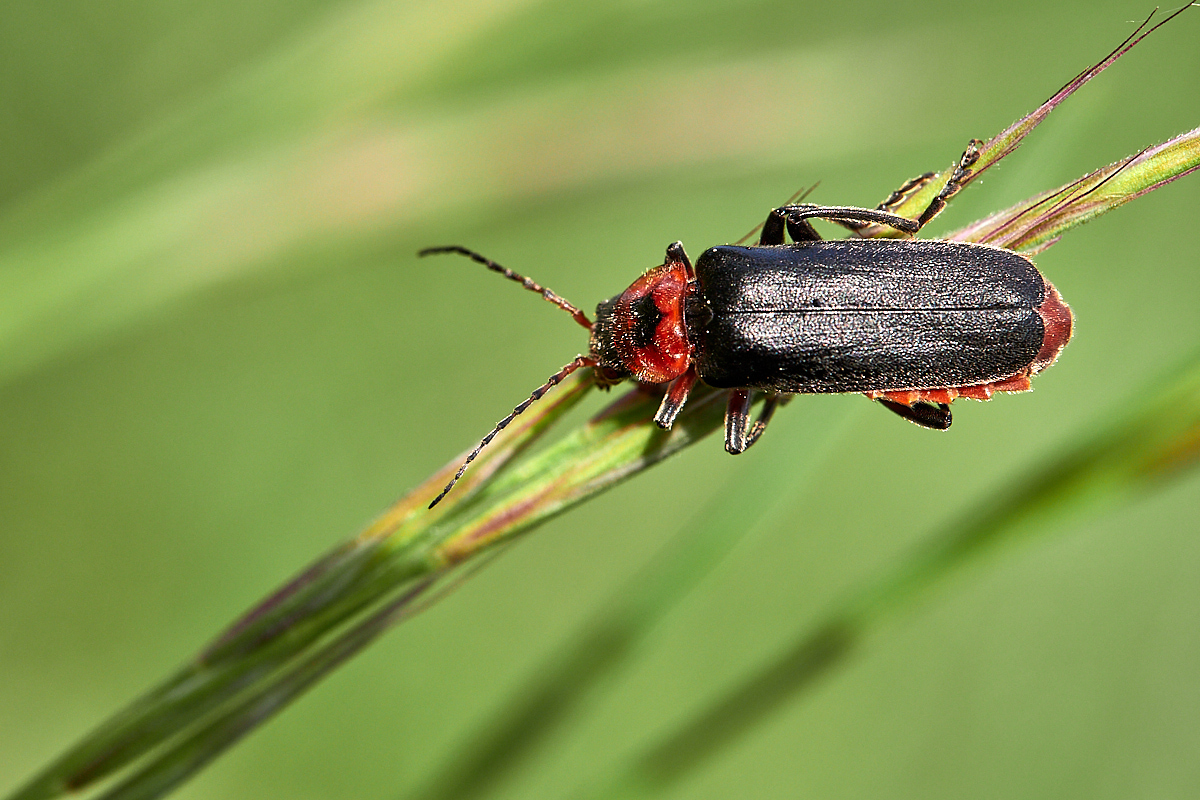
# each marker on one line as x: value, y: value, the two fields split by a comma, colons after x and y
x: 673, y: 400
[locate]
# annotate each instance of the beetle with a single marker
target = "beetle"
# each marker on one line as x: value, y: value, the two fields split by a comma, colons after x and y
x: 911, y: 323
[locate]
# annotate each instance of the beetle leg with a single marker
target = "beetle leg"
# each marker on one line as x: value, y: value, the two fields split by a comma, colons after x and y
x: 781, y: 220
x: 906, y: 190
x: 795, y: 218
x: 772, y: 402
x: 961, y: 172
x: 737, y: 421
x: 677, y: 255
x: 676, y: 396
x: 927, y: 415
x: 739, y: 435
x: 777, y: 225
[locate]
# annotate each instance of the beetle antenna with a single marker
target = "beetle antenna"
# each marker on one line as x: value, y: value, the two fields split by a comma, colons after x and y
x: 579, y: 316
x: 578, y: 363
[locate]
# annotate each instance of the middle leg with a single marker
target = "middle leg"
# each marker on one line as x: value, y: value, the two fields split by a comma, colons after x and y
x: 958, y: 177
x: 795, y: 221
x: 739, y: 435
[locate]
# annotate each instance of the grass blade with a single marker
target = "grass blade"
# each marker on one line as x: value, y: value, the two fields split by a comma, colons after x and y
x: 342, y: 602
x: 1037, y: 223
x: 990, y: 153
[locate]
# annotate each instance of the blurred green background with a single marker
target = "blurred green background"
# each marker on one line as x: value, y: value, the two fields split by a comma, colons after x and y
x: 219, y: 356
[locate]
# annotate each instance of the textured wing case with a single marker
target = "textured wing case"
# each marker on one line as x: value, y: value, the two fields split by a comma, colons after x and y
x: 852, y: 316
